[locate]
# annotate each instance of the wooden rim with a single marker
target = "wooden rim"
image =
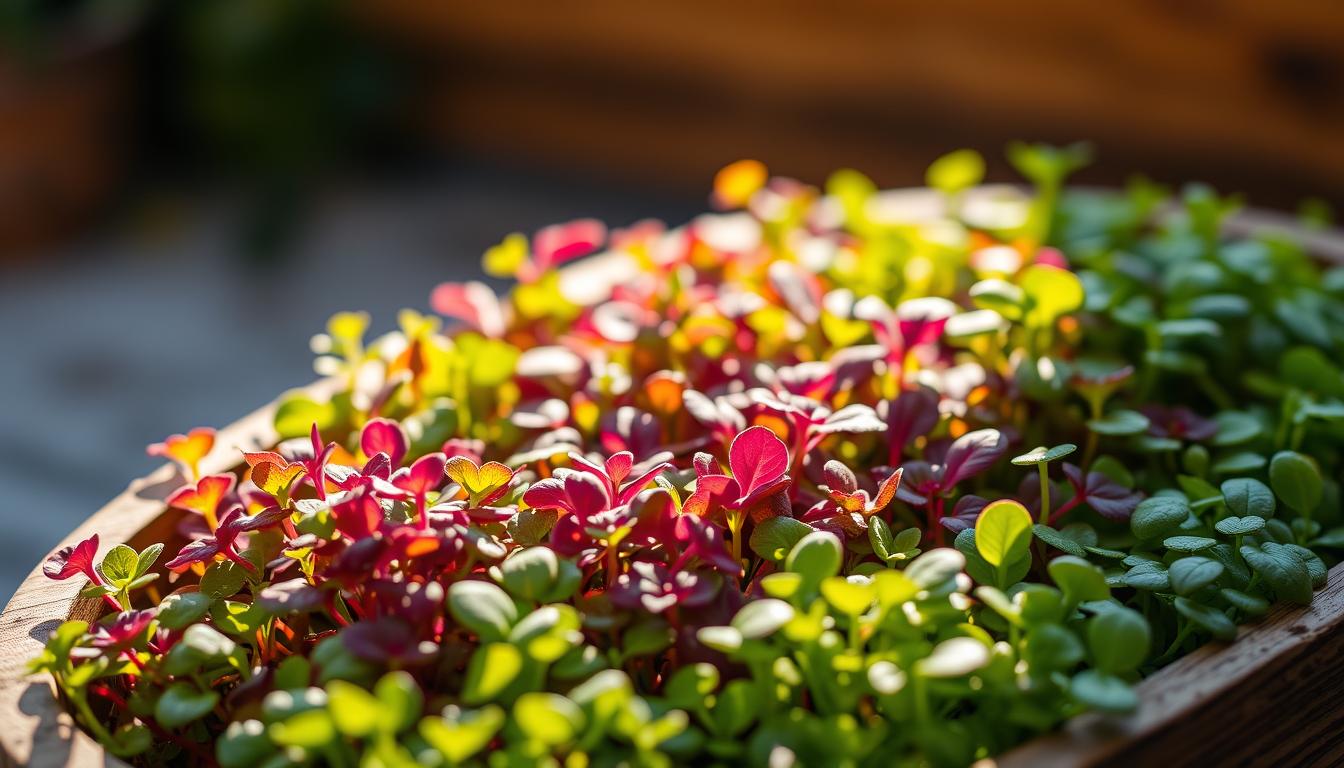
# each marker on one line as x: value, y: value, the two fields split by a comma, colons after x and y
x: 1294, y: 651
x: 37, y: 730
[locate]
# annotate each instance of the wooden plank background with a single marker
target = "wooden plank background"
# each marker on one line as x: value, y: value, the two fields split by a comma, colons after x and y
x: 1244, y: 93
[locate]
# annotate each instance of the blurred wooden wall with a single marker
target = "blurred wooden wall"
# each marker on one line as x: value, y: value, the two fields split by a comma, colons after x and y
x: 1247, y: 94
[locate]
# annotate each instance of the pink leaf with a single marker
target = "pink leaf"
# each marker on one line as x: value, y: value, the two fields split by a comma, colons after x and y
x: 423, y: 476
x: 704, y: 540
x: 383, y: 436
x: 1052, y: 257
x: 568, y: 538
x: 266, y: 518
x: 720, y: 489
x: 1107, y: 497
x: 912, y: 414
x: 618, y: 467
x: 838, y: 477
x: 473, y: 303
x: 359, y: 516
x: 632, y: 488
x: 921, y: 321
x: 964, y: 514
x: 68, y: 561
x: 577, y: 493
x: 556, y: 244
x: 706, y: 464
x: 758, y: 460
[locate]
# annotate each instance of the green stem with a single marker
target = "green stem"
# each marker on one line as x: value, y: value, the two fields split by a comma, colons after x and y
x: 76, y: 697
x: 1042, y: 468
x: 921, y: 699
x: 1298, y: 434
x: 1216, y: 393
x: 735, y: 520
x: 1175, y: 646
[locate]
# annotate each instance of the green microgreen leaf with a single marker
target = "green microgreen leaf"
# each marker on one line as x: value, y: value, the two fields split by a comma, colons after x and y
x: 1296, y: 480
x: 1003, y: 532
x: 1190, y: 574
x: 1158, y: 515
x: 1042, y: 454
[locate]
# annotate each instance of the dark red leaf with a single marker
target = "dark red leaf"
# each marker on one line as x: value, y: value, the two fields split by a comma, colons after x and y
x: 74, y: 559
x: 971, y: 454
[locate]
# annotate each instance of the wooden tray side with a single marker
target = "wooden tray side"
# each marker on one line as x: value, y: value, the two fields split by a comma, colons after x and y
x: 35, y: 730
x: 1272, y: 697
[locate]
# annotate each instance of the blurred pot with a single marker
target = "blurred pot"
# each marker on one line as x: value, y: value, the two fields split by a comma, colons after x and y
x: 62, y: 137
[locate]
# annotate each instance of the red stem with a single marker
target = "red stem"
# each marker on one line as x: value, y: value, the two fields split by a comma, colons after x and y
x: 1065, y: 507
x: 190, y: 746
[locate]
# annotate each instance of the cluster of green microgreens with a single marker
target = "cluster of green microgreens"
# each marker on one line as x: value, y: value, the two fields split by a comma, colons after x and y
x: 742, y: 492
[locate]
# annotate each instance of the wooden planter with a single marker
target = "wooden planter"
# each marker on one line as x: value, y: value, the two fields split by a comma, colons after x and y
x: 1270, y: 698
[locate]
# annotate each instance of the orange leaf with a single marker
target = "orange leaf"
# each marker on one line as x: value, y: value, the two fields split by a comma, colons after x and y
x: 421, y: 546
x: 253, y: 458
x: 479, y: 481
x: 737, y: 182
x: 187, y: 450
x: 274, y: 478
x: 204, y: 498
x: 664, y: 390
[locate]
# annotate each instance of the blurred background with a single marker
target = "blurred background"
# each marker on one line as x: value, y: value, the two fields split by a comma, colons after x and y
x: 188, y: 190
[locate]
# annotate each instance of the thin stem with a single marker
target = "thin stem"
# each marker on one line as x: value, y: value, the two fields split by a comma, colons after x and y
x: 735, y: 520
x: 1167, y: 655
x: 1298, y: 434
x: 1065, y: 508
x: 613, y: 565
x: 1045, y: 492
x: 422, y: 519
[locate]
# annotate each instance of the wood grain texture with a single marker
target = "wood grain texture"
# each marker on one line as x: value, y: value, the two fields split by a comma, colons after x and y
x: 1270, y: 698
x: 1242, y: 93
x: 34, y: 728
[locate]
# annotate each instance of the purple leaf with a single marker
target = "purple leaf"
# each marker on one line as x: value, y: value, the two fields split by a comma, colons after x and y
x: 912, y: 414
x: 1107, y: 497
x: 971, y: 454
x: 964, y: 514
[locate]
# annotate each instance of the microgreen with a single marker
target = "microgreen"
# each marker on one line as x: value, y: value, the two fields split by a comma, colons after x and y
x: 694, y: 508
